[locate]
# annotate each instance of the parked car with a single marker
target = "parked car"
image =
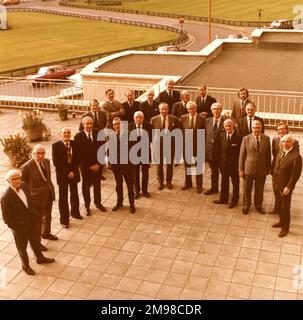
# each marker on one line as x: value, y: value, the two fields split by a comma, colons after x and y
x: 8, y: 2
x: 281, y: 24
x: 170, y: 48
x: 51, y: 74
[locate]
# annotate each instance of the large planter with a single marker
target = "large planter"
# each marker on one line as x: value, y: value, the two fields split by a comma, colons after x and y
x: 63, y: 114
x: 34, y: 134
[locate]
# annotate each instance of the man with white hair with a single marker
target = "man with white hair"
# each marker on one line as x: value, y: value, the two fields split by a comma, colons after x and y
x: 150, y: 106
x: 286, y: 173
x: 21, y: 217
x: 179, y: 108
x: 36, y: 173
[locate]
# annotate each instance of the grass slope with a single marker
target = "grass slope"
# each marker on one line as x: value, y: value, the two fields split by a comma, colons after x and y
x: 39, y: 38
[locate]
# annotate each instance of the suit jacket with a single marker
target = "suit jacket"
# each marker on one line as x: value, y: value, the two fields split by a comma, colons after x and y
x: 179, y: 109
x: 15, y: 214
x: 164, y: 97
x: 149, y: 111
x: 205, y: 107
x: 87, y: 150
x: 229, y: 152
x: 129, y: 112
x: 252, y: 161
x: 98, y: 125
x: 112, y: 110
x: 39, y: 189
x: 211, y: 139
x: 61, y: 164
x: 238, y: 111
x: 287, y: 170
x: 200, y: 124
x: 243, y: 126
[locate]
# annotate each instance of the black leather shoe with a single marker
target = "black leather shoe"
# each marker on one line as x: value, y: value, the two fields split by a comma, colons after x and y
x: 45, y: 260
x: 101, y: 207
x: 136, y: 195
x: 220, y: 202
x: 210, y: 191
x: 117, y: 206
x: 65, y: 225
x: 245, y: 210
x: 42, y: 247
x: 28, y: 270
x: 260, y: 210
x: 160, y: 187
x: 146, y: 195
x: 87, y: 211
x: 232, y: 205
x: 132, y: 209
x: 283, y: 233
x: 169, y: 185
x: 185, y: 187
x: 199, y: 189
x: 78, y: 217
x: 50, y: 237
x: 277, y: 225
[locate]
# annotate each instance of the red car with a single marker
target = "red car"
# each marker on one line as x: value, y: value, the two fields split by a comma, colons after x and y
x: 8, y: 2
x: 52, y: 73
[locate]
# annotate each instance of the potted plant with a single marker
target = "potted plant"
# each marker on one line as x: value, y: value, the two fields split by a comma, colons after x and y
x: 17, y: 148
x: 62, y: 110
x: 33, y: 125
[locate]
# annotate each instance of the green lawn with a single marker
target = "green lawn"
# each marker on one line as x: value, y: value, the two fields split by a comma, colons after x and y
x: 40, y: 38
x: 228, y: 9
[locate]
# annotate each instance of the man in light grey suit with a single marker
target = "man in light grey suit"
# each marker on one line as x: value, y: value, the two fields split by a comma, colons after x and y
x: 238, y: 108
x: 254, y: 166
x: 112, y: 108
x: 36, y: 174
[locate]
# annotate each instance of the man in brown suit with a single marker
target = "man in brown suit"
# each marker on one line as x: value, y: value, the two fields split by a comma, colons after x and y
x: 112, y: 107
x: 36, y: 174
x: 287, y: 171
x: 254, y: 166
x: 179, y: 108
x: 238, y: 108
x: 166, y: 122
x: 192, y: 121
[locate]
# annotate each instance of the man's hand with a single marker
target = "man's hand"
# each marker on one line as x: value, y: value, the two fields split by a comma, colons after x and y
x: 95, y: 167
x: 71, y: 175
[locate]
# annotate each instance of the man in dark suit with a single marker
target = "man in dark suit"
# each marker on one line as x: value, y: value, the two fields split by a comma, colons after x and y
x: 238, y: 108
x: 66, y: 162
x: 213, y: 129
x: 204, y: 102
x: 229, y: 149
x: 87, y: 146
x: 130, y: 106
x: 169, y: 96
x: 112, y: 108
x: 98, y: 116
x: 193, y: 121
x: 21, y: 217
x: 254, y: 166
x: 150, y: 106
x: 138, y: 125
x: 282, y: 130
x: 122, y: 170
x: 36, y: 173
x: 166, y: 123
x: 179, y: 108
x: 287, y: 171
x: 245, y: 123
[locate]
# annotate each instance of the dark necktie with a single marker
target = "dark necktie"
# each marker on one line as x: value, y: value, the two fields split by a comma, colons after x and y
x: 90, y: 138
x: 258, y: 144
x: 283, y: 155
x: 228, y: 138
x: 69, y: 154
x: 242, y: 111
x: 215, y: 126
x: 171, y: 94
x: 163, y: 123
x: 43, y: 170
x: 250, y: 124
x: 192, y: 124
x: 203, y: 101
x: 96, y: 118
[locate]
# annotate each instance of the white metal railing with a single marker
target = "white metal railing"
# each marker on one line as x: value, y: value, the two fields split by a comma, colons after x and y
x: 273, y: 106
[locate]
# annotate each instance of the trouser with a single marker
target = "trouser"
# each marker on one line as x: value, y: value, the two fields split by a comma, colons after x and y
x: 63, y: 202
x: 145, y: 176
x: 91, y: 178
x: 259, y: 189
x: 214, y: 166
x: 283, y: 208
x: 44, y: 220
x: 160, y: 173
x: 21, y: 240
x: 124, y: 171
x: 235, y: 180
x: 188, y: 178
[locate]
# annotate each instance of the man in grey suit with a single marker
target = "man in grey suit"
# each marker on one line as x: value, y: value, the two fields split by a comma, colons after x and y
x: 112, y: 108
x: 287, y: 171
x: 36, y: 174
x: 213, y: 129
x: 165, y: 121
x: 282, y: 130
x: 254, y: 166
x: 238, y: 108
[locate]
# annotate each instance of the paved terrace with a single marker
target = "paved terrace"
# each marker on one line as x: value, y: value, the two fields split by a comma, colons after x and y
x: 178, y: 245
